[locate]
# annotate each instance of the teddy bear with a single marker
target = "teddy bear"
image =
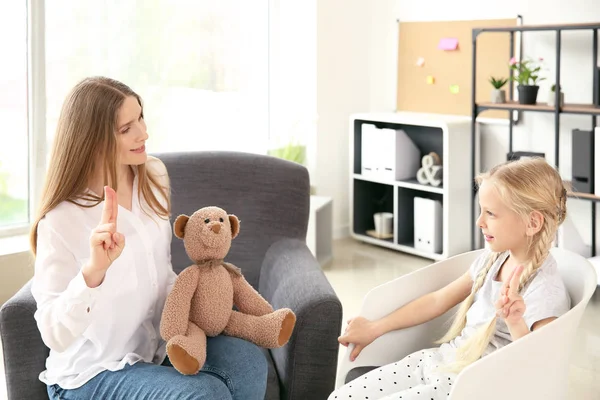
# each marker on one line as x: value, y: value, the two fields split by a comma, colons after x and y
x: 201, y: 301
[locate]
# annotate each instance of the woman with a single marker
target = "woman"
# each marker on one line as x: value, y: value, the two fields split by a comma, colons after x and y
x: 102, y: 243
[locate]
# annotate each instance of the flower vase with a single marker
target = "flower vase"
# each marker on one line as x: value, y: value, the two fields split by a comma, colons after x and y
x: 528, y: 94
x: 552, y: 98
x: 498, y: 96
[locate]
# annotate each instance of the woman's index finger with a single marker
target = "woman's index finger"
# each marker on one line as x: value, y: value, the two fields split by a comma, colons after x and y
x: 107, y: 209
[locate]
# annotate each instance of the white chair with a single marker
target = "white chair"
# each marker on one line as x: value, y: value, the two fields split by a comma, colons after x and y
x: 533, y: 367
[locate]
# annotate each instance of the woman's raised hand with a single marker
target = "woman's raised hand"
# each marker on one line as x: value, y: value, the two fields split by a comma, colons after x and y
x: 106, y: 243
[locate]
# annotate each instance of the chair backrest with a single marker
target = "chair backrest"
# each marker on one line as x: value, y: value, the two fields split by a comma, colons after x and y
x: 270, y: 196
x: 578, y: 274
x: 537, y: 364
x: 389, y: 296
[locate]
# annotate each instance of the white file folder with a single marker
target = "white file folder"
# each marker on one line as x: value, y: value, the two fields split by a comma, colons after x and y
x: 369, y: 162
x: 428, y: 220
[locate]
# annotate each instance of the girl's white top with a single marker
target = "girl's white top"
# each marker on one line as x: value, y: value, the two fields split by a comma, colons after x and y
x: 92, y: 330
x: 545, y: 296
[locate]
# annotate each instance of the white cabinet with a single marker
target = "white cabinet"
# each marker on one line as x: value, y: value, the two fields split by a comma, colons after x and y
x: 371, y: 191
x: 319, y: 234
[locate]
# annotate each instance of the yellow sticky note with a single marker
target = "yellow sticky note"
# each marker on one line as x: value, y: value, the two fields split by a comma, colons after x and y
x: 430, y: 80
x: 454, y: 89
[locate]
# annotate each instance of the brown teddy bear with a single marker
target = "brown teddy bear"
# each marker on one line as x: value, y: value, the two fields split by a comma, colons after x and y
x: 202, y: 299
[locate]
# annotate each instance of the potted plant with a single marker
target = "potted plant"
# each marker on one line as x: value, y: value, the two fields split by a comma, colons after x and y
x: 552, y: 96
x: 527, y: 76
x: 498, y: 95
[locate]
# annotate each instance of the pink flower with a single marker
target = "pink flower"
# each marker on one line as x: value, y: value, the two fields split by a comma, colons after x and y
x: 512, y: 61
x: 541, y: 58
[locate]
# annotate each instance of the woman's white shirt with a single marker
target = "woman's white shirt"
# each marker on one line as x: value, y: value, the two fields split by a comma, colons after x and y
x: 90, y: 330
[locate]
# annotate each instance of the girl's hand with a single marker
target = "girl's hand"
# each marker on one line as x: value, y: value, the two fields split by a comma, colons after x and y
x: 361, y: 332
x: 510, y: 305
x: 106, y: 244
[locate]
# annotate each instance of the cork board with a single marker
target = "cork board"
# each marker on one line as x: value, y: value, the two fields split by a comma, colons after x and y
x: 450, y: 92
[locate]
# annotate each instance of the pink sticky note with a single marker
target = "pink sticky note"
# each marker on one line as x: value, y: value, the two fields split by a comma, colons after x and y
x: 448, y: 44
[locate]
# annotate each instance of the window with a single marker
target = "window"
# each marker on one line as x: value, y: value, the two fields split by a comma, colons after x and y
x: 14, y: 158
x: 200, y: 66
x: 214, y: 75
x: 293, y: 80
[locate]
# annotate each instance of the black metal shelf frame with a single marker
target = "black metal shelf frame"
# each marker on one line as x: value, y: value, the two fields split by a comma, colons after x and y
x: 476, y: 109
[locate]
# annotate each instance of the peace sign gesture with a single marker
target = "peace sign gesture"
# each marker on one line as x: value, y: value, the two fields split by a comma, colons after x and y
x: 106, y: 244
x: 510, y: 305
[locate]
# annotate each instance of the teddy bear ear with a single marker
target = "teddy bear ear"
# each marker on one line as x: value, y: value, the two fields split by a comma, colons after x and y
x: 179, y: 225
x: 235, y: 225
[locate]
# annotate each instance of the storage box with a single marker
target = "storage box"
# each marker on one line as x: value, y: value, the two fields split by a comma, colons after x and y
x: 388, y: 154
x: 428, y: 221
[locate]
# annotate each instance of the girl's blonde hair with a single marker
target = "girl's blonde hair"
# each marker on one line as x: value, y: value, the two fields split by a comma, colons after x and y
x: 85, y: 141
x: 525, y: 186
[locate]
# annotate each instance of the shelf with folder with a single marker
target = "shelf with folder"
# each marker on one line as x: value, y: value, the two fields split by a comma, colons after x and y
x: 591, y: 109
x: 387, y: 151
x: 412, y: 222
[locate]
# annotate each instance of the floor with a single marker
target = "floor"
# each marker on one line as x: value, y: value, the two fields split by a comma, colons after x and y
x: 358, y: 267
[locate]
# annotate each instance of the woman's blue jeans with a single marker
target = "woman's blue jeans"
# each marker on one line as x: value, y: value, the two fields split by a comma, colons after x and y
x: 234, y: 369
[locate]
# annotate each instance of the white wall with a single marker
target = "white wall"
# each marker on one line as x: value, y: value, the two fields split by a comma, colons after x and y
x: 354, y: 39
x: 356, y: 71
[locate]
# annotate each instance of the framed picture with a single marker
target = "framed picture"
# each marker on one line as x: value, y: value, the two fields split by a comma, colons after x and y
x: 517, y: 155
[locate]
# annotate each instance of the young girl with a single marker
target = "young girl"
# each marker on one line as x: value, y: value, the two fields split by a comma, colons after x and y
x: 102, y: 241
x: 511, y: 289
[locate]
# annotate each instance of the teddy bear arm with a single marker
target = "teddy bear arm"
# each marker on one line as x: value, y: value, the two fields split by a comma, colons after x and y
x: 247, y: 299
x: 176, y: 311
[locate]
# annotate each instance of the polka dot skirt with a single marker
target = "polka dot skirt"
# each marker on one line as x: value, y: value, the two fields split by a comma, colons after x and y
x: 413, y: 378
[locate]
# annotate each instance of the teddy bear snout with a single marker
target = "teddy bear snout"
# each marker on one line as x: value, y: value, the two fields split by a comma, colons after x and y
x: 216, y: 228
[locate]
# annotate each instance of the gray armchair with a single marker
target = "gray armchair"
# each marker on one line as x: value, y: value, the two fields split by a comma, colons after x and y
x: 271, y: 198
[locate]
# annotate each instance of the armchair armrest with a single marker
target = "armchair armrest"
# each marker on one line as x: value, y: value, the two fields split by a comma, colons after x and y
x: 24, y: 351
x: 291, y: 277
x: 390, y: 296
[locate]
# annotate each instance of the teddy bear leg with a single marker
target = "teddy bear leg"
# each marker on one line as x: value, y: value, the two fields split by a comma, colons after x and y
x: 269, y: 331
x: 188, y: 353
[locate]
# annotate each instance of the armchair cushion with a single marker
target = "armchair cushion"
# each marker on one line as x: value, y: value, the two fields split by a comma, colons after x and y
x: 24, y: 351
x: 291, y: 277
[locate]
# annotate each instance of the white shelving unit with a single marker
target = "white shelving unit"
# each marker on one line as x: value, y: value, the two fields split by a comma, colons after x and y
x: 450, y: 138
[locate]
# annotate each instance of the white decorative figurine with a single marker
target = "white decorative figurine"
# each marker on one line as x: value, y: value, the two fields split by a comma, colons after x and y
x: 431, y: 171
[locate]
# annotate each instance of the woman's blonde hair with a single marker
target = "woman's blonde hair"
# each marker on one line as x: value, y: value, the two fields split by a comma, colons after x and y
x: 525, y: 186
x: 85, y: 141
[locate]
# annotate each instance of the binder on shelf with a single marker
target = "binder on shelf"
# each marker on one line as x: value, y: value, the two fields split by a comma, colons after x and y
x: 369, y: 162
x: 581, y: 164
x: 400, y: 157
x: 428, y: 225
